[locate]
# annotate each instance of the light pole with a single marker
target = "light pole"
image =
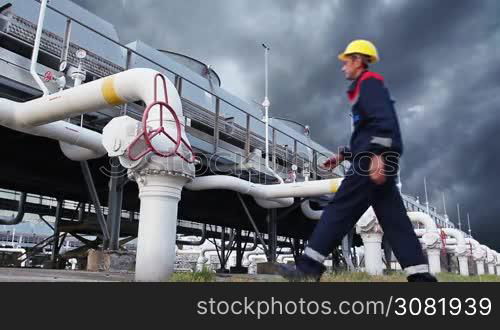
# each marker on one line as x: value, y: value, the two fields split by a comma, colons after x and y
x: 266, y: 104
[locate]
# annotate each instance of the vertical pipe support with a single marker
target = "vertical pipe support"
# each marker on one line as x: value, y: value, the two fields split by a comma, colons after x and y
x: 115, y: 201
x: 434, y: 257
x: 372, y: 241
x: 95, y: 199
x: 216, y: 125
x: 272, y: 224
x: 463, y: 265
x: 480, y: 267
x: 247, y: 136
x: 159, y: 195
x: 274, y: 148
x: 55, y: 241
x: 36, y: 48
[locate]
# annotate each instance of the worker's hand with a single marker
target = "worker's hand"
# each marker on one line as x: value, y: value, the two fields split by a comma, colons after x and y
x: 377, y: 174
x: 332, y: 162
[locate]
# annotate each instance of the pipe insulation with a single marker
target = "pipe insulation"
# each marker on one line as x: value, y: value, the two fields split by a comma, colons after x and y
x: 266, y: 192
x: 45, y: 116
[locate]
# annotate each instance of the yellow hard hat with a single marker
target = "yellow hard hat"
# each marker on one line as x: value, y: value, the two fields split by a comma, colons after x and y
x: 364, y: 47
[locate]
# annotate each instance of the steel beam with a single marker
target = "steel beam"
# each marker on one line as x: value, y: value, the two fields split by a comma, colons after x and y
x: 115, y: 200
x: 55, y: 242
x: 272, y: 231
x: 95, y: 200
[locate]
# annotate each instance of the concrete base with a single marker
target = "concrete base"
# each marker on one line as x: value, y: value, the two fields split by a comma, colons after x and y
x: 491, y: 269
x: 433, y: 255
x: 463, y: 265
x: 110, y: 261
x: 50, y: 275
x: 480, y: 267
x: 372, y: 242
x: 268, y: 268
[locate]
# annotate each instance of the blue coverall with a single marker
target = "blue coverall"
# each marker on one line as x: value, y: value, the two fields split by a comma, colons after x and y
x: 376, y: 131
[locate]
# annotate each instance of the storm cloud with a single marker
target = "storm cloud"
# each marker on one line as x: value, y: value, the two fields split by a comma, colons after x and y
x: 440, y: 60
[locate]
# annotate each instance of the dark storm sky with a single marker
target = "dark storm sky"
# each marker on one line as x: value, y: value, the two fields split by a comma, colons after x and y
x: 441, y: 61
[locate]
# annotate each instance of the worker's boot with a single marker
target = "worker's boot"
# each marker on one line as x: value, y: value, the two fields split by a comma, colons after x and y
x: 306, y: 269
x: 422, y: 277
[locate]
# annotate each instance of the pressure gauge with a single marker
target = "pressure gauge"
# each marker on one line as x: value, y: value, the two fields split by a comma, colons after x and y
x: 81, y: 54
x: 294, y: 167
x: 63, y: 66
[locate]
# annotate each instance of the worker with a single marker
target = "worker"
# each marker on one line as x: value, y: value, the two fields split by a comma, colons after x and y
x: 374, y: 152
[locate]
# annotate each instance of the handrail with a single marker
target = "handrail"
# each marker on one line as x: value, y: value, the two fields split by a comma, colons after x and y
x: 128, y: 49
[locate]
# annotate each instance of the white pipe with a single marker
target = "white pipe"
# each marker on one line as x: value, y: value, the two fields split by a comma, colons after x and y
x: 159, y: 188
x: 490, y: 259
x: 420, y: 232
x: 431, y: 242
x: 498, y: 263
x: 12, y: 250
x: 372, y: 242
x: 192, y: 251
x: 265, y: 192
x: 478, y: 255
x: 124, y: 87
x: 79, y: 154
x: 158, y: 226
x: 43, y: 116
x: 451, y: 243
x: 489, y: 253
x: 202, y: 258
x: 253, y: 260
x: 371, y: 234
x: 76, y: 142
x: 73, y: 262
x: 289, y: 259
x: 433, y: 246
x: 460, y: 249
x: 463, y: 264
x: 491, y: 269
x: 456, y: 234
x: 283, y: 257
x: 247, y: 256
x: 274, y: 203
x: 36, y: 48
x: 309, y: 212
x: 434, y: 257
x: 472, y: 243
x: 423, y: 219
x: 419, y: 217
x: 16, y: 250
x: 480, y: 267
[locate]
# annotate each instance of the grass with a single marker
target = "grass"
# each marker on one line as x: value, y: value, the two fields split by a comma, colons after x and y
x: 203, y: 276
x: 362, y: 277
x: 401, y: 277
x: 209, y: 276
x: 447, y: 277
